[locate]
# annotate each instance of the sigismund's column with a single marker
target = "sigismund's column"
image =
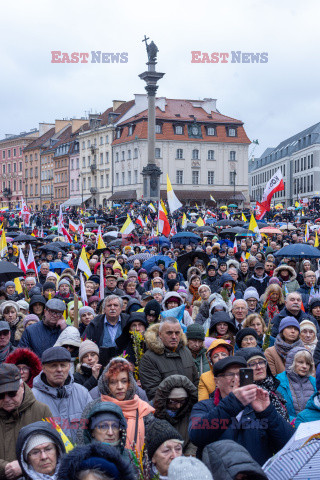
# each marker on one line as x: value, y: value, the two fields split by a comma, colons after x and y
x: 151, y: 173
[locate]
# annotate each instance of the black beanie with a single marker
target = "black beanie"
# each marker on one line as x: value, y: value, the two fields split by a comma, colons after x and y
x: 243, y: 333
x: 172, y: 283
x: 158, y: 432
x: 153, y: 308
x: 48, y: 285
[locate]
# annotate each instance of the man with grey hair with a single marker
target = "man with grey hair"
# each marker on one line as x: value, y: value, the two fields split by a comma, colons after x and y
x: 167, y: 355
x: 44, y: 270
x: 104, y: 329
x: 239, y: 312
x: 30, y: 282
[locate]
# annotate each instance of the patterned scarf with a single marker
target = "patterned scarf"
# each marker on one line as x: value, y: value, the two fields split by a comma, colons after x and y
x: 270, y: 384
x: 283, y: 348
x: 272, y: 310
x: 194, y: 291
x: 4, y: 352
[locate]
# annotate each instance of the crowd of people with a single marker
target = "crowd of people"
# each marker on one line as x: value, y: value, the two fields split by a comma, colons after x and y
x: 138, y: 370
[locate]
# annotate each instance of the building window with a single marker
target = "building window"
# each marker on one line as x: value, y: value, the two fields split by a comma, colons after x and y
x: 123, y: 178
x: 20, y: 153
x: 211, y: 131
x: 118, y: 133
x: 157, y: 153
x: 71, y: 164
x: 101, y: 140
x: 210, y: 154
x: 232, y: 132
x: 9, y: 168
x: 83, y: 145
x: 107, y: 138
x: 20, y: 185
x: 9, y: 153
x: 136, y: 176
x: 130, y: 130
x: 178, y: 130
x: 232, y: 177
x: 89, y: 182
x: 179, y: 153
x: 129, y: 154
x: 195, y: 177
x: 129, y: 177
x: 89, y: 143
x: 107, y: 157
x: 20, y: 166
x: 107, y: 179
x: 72, y: 184
x: 117, y: 179
x: 135, y: 153
x: 84, y: 162
x: 101, y: 158
x: 311, y: 164
x: 195, y: 154
x: 4, y: 155
x: 117, y: 157
x: 158, y: 128
x: 122, y: 155
x: 101, y: 181
x: 78, y: 184
x: 311, y: 182
x: 232, y: 156
x: 26, y: 189
x: 14, y: 152
x: 31, y: 190
x: 84, y: 181
x: 210, y: 178
x: 77, y: 163
x: 179, y: 177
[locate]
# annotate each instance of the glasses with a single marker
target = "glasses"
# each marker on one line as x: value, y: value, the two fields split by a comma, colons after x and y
x: 178, y: 401
x: 106, y: 426
x: 10, y: 394
x: 54, y: 313
x: 230, y: 375
x: 24, y: 369
x: 260, y: 363
x: 37, y: 453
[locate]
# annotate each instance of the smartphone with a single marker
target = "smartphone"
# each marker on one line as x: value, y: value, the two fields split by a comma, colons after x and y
x: 246, y: 376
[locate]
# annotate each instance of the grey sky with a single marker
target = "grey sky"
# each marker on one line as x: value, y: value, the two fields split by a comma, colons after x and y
x: 275, y: 99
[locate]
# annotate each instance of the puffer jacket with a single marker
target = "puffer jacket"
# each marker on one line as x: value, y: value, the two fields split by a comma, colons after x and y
x: 290, y: 285
x: 206, y: 383
x: 26, y: 357
x: 38, y: 337
x: 42, y: 428
x: 181, y: 419
x: 70, y: 464
x: 11, y: 423
x: 312, y: 411
x: 203, y: 314
x: 226, y: 459
x: 159, y: 362
x: 66, y: 403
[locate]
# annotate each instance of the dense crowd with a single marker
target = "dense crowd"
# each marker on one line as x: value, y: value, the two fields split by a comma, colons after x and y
x: 188, y: 357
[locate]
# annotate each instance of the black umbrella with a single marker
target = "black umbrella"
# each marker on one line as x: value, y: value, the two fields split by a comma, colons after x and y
x: 91, y: 225
x: 9, y: 271
x: 233, y: 231
x: 191, y: 226
x: 51, y: 248
x: 260, y: 224
x: 109, y: 238
x: 60, y: 244
x: 186, y: 260
x: 205, y: 228
x: 298, y: 250
x: 224, y: 223
x: 25, y: 238
x: 101, y: 220
x: 115, y: 243
x: 50, y: 237
x: 13, y: 234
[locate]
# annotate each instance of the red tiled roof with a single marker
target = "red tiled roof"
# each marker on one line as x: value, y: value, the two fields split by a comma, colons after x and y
x: 141, y: 131
x: 63, y: 138
x: 120, y: 111
x: 38, y: 142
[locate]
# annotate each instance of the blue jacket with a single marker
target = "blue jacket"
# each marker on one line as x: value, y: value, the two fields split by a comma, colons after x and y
x: 312, y: 411
x: 261, y: 433
x: 284, y: 389
x: 38, y: 337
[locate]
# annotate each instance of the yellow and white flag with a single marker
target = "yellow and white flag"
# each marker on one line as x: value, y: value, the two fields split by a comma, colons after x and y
x: 200, y: 222
x: 173, y: 202
x: 213, y: 200
x: 184, y: 221
x: 253, y: 226
x: 3, y: 244
x: 152, y: 208
x: 127, y: 227
x: 83, y: 263
x: 101, y: 243
x: 244, y: 218
x: 164, y: 207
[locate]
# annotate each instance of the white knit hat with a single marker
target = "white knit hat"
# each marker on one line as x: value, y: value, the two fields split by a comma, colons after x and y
x: 308, y: 324
x: 35, y: 440
x: 188, y: 468
x: 86, y: 347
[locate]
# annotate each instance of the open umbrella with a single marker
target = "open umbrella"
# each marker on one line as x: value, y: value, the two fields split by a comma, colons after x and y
x: 187, y: 260
x: 298, y: 250
x: 232, y: 205
x: 50, y: 248
x: 9, y: 271
x: 117, y: 205
x: 56, y: 265
x: 224, y: 223
x: 115, y: 243
x: 159, y: 241
x: 205, y: 228
x: 186, y: 238
x: 152, y: 261
x: 233, y: 230
x: 90, y: 225
x: 288, y: 226
x: 25, y: 238
x: 139, y: 256
x: 191, y: 226
x: 270, y: 230
x: 224, y: 207
x: 54, y: 228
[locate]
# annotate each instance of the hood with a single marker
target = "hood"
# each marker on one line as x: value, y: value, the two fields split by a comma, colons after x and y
x: 292, y: 273
x: 41, y: 427
x: 291, y: 355
x: 36, y: 299
x: 168, y: 295
x: 226, y: 278
x: 163, y: 392
x: 155, y: 269
x: 70, y: 464
x: 131, y: 303
x: 27, y: 357
x: 54, y: 392
x: 69, y: 336
x: 103, y: 383
x: 93, y: 408
x: 155, y: 344
x: 222, y: 465
x: 193, y: 271
x: 222, y: 316
x: 214, y: 344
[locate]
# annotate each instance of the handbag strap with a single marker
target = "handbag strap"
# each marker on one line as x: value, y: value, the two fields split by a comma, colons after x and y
x: 136, y: 427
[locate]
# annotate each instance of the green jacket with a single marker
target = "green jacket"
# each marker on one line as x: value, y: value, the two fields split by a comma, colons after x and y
x: 201, y: 362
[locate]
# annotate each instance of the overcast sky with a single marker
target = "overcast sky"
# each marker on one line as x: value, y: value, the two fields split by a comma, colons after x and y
x: 274, y: 100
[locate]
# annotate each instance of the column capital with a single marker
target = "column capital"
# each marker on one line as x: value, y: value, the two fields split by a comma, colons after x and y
x: 151, y: 90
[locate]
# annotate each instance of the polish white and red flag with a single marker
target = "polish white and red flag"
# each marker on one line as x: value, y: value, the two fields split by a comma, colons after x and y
x: 140, y: 221
x: 31, y: 263
x: 274, y: 185
x: 83, y: 293
x: 163, y: 222
x: 173, y: 230
x: 25, y: 213
x: 73, y: 227
x: 235, y: 245
x: 208, y: 212
x: 22, y: 261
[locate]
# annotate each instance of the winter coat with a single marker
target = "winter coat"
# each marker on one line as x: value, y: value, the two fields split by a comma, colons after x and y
x: 285, y: 390
x: 95, y: 329
x: 311, y: 413
x: 316, y: 354
x: 70, y: 464
x: 261, y: 433
x: 274, y: 360
x: 181, y: 419
x: 66, y: 403
x: 212, y: 282
x: 115, y: 291
x: 304, y: 291
x: 26, y: 357
x: 260, y: 284
x: 187, y: 319
x: 290, y: 285
x: 125, y: 341
x: 206, y: 383
x: 11, y: 423
x: 16, y: 330
x: 84, y: 377
x: 226, y: 459
x: 42, y: 428
x: 285, y: 313
x: 203, y: 314
x: 201, y: 362
x: 38, y: 337
x: 159, y: 362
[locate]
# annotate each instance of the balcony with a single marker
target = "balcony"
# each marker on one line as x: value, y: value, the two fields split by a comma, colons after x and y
x: 93, y: 190
x: 93, y: 167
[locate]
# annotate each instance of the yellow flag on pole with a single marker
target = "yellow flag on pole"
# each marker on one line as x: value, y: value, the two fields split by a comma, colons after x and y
x: 253, y: 226
x: 101, y: 243
x: 184, y: 221
x: 83, y: 263
x: 244, y: 218
x: 200, y: 222
x: 3, y: 244
x: 18, y: 285
x: 316, y: 241
x: 173, y: 201
x: 164, y: 207
x: 127, y: 227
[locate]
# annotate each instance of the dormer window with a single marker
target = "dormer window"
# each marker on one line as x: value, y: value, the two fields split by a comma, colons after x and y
x: 178, y: 130
x: 211, y: 131
x: 232, y: 132
x: 158, y: 128
x: 130, y: 130
x: 118, y: 133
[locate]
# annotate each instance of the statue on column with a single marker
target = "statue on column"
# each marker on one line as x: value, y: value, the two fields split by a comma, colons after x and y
x: 152, y: 50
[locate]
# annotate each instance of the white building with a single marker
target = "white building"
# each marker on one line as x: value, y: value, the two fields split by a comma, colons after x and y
x: 202, y: 150
x: 298, y: 157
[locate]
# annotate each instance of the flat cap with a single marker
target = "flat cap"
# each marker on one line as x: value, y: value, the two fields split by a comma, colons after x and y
x: 56, y: 304
x: 9, y: 378
x: 4, y: 326
x: 55, y: 354
x: 227, y: 362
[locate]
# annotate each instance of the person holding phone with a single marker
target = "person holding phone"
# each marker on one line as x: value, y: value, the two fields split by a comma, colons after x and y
x: 243, y: 414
